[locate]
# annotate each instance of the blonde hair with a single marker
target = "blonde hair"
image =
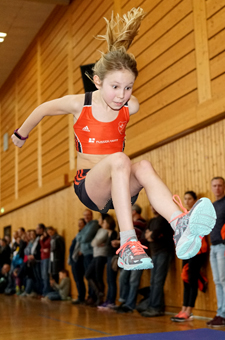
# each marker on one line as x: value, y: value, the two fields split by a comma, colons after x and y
x: 120, y: 33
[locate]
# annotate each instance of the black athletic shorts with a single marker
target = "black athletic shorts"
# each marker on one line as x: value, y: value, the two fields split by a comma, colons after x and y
x: 79, y: 187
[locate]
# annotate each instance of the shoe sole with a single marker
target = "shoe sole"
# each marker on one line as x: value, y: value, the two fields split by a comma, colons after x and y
x: 203, y: 218
x: 201, y: 223
x: 177, y: 319
x: 146, y: 264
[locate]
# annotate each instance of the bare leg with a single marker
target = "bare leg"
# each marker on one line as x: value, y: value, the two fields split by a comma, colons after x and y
x: 111, y: 178
x: 158, y: 194
x: 116, y: 177
x: 189, y: 310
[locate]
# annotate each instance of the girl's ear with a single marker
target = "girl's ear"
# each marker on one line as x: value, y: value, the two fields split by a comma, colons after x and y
x: 97, y: 81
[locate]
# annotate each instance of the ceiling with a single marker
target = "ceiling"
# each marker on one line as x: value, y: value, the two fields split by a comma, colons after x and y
x: 21, y: 20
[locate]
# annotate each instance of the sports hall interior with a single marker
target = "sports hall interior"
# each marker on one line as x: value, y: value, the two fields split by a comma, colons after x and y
x: 180, y: 129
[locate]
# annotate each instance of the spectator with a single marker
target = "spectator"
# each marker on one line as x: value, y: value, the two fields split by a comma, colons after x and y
x: 35, y: 257
x: 94, y: 273
x: 17, y: 260
x: 45, y: 261
x: 15, y: 243
x: 26, y: 272
x: 61, y: 290
x: 217, y: 251
x: 4, y: 277
x: 160, y: 238
x: 14, y: 237
x: 139, y: 223
x: 8, y: 239
x: 111, y: 272
x: 192, y: 269
x: 84, y: 237
x: 5, y: 253
x: 57, y: 254
x: 129, y: 280
x: 22, y: 243
x: 76, y: 260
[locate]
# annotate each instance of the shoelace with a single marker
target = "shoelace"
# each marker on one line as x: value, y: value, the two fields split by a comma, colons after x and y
x: 178, y: 201
x: 137, y: 249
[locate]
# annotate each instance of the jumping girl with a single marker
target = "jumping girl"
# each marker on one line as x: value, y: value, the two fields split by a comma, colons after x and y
x: 106, y: 178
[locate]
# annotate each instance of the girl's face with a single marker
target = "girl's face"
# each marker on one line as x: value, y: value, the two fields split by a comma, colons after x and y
x: 189, y: 201
x: 116, y: 88
x: 105, y: 225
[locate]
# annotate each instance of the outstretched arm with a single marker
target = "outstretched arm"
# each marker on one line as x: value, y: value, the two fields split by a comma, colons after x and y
x: 65, y: 105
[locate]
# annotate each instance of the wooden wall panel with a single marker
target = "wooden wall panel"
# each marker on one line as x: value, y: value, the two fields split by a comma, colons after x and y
x: 85, y: 47
x: 26, y: 103
x: 216, y: 35
x: 173, y: 40
x: 54, y: 84
x: 167, y: 86
x: 7, y: 172
x: 188, y: 163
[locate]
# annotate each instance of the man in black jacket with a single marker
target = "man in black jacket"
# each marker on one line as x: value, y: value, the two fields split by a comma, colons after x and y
x: 159, y: 234
x: 57, y: 253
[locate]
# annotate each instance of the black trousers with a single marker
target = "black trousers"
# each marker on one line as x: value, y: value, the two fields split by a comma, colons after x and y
x: 95, y: 272
x: 191, y: 288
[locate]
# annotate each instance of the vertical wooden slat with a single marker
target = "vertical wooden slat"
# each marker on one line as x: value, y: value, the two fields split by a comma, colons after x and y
x: 201, y: 48
x: 0, y: 155
x: 39, y: 128
x: 70, y: 91
x: 16, y: 149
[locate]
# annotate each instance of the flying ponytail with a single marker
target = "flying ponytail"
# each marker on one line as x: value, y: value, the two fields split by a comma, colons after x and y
x: 120, y: 33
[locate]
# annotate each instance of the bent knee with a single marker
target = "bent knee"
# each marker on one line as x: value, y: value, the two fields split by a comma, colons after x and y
x: 145, y: 166
x: 120, y: 161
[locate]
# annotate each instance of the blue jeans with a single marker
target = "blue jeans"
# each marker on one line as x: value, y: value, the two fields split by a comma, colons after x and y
x: 53, y: 296
x: 129, y: 282
x: 161, y: 263
x: 217, y: 261
x: 45, y: 276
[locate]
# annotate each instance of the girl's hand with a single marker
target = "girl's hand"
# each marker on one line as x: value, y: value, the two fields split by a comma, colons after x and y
x: 16, y: 141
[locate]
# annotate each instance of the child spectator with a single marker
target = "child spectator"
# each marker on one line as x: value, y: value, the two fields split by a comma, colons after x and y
x: 62, y: 289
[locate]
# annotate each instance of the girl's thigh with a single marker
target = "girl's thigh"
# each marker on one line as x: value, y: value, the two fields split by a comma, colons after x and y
x: 98, y: 181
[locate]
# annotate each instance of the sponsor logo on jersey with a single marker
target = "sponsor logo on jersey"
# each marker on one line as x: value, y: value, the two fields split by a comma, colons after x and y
x: 122, y: 127
x: 86, y: 128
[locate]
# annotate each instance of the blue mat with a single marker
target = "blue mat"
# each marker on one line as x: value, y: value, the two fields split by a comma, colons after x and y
x: 194, y: 334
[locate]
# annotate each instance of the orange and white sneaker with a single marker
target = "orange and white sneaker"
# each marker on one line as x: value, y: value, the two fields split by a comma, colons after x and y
x: 192, y: 225
x: 133, y: 257
x: 182, y: 316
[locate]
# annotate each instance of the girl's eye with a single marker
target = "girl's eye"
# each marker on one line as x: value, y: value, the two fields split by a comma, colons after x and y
x: 128, y: 88
x: 114, y: 86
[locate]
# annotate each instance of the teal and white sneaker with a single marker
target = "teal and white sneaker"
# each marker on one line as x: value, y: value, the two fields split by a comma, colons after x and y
x: 133, y: 257
x: 192, y: 226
